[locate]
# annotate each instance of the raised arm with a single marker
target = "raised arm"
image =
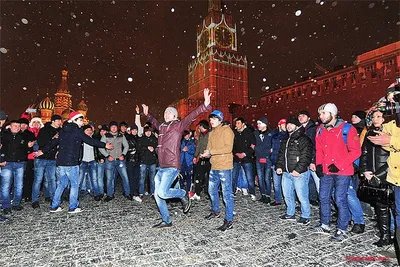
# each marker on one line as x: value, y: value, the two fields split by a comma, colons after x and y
x: 153, y: 120
x: 138, y: 122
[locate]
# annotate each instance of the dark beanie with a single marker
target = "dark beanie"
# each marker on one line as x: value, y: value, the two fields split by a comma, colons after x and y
x: 294, y: 121
x: 359, y: 113
x: 23, y: 120
x: 263, y: 120
x: 87, y: 126
x: 56, y: 117
x: 123, y: 123
x: 113, y: 123
x: 134, y: 127
x: 304, y: 112
x: 104, y: 127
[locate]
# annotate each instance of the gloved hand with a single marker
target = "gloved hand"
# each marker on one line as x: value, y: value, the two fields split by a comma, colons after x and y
x: 318, y: 171
x: 333, y: 168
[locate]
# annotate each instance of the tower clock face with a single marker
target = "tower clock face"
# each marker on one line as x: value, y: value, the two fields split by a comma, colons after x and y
x: 223, y: 36
x: 204, y: 40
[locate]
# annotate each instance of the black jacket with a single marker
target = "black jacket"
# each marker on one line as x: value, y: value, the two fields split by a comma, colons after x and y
x: 133, y: 153
x: 14, y: 146
x: 311, y: 131
x: 44, y: 137
x: 97, y: 154
x: 70, y: 144
x: 295, y: 152
x: 242, y: 144
x: 145, y: 155
x: 263, y: 147
x: 373, y: 157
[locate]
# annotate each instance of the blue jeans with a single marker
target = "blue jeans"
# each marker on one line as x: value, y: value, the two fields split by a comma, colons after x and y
x: 100, y: 177
x: 64, y: 175
x: 290, y: 184
x: 152, y: 173
x: 112, y: 167
x: 264, y: 177
x: 277, y: 185
x: 223, y: 177
x: 354, y: 205
x: 242, y: 181
x: 163, y: 181
x: 186, y: 177
x: 341, y: 185
x: 12, y: 174
x: 89, y: 168
x: 313, y: 185
x: 248, y: 170
x: 47, y: 169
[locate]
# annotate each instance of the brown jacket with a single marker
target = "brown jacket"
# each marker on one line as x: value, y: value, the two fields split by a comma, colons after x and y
x: 170, y: 136
x: 220, y: 144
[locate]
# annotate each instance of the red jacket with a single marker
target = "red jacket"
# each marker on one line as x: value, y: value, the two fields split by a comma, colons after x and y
x: 170, y: 136
x: 331, y: 148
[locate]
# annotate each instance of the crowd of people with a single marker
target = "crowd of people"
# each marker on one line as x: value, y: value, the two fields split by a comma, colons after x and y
x: 300, y: 162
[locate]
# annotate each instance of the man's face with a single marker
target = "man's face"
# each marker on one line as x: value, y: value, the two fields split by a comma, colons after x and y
x: 134, y: 131
x: 303, y: 118
x: 282, y: 127
x: 169, y: 116
x: 147, y: 133
x: 89, y: 131
x: 239, y: 125
x: 102, y: 132
x: 261, y: 126
x: 79, y: 121
x: 215, y: 122
x: 187, y: 136
x: 114, y: 129
x: 325, y: 117
x: 56, y: 123
x: 355, y: 119
x: 290, y: 127
x: 377, y: 119
x: 15, y: 127
x: 35, y: 124
x: 201, y: 129
x: 24, y: 127
x: 123, y: 128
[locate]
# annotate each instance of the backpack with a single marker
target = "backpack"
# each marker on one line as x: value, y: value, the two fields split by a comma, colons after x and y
x: 345, y: 132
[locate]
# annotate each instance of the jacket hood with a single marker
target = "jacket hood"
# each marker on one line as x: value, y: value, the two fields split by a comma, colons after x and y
x: 69, y: 127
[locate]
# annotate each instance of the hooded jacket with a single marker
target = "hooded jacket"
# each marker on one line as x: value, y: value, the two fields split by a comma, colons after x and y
x: 170, y: 134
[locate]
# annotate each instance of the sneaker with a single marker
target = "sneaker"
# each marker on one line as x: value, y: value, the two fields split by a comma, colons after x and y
x: 54, y: 210
x: 238, y: 190
x: 18, y: 208
x: 186, y: 203
x: 196, y: 197
x: 253, y: 197
x: 358, y: 228
x: 314, y: 203
x: 146, y: 193
x: 322, y: 229
x: 213, y: 215
x: 288, y: 217
x: 98, y: 198
x: 338, y: 236
x: 137, y: 199
x: 35, y: 205
x: 6, y: 211
x: 3, y: 219
x: 226, y: 226
x: 77, y: 210
x: 275, y: 203
x: 303, y: 221
x: 162, y: 225
x: 107, y: 199
x: 191, y: 195
x: 245, y: 193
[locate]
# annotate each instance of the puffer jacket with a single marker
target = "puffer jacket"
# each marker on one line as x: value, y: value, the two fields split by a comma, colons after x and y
x: 170, y: 135
x: 373, y: 157
x: 133, y: 151
x: 295, y: 152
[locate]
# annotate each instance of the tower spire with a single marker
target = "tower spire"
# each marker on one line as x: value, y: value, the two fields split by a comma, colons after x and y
x: 214, y: 5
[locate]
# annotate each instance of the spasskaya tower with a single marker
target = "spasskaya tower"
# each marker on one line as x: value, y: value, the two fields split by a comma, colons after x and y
x: 218, y: 66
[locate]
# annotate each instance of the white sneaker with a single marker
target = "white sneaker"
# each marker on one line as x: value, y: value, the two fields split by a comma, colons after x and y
x: 138, y: 199
x: 253, y: 197
x: 59, y: 209
x: 196, y: 197
x: 77, y: 210
x: 245, y: 193
x: 238, y: 190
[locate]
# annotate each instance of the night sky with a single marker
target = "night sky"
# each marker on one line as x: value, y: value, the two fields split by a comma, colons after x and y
x: 123, y: 53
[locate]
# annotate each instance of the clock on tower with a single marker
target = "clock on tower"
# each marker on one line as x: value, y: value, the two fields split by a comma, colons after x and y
x: 223, y: 37
x: 204, y: 40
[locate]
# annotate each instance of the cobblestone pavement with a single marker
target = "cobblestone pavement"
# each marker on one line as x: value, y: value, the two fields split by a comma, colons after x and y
x: 118, y: 233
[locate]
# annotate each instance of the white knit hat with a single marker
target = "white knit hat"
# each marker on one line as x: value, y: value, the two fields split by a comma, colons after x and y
x: 36, y: 119
x: 329, y: 107
x: 172, y: 110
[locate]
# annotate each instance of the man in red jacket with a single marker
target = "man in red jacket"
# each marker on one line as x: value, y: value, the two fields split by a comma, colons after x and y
x: 169, y: 140
x: 334, y: 160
